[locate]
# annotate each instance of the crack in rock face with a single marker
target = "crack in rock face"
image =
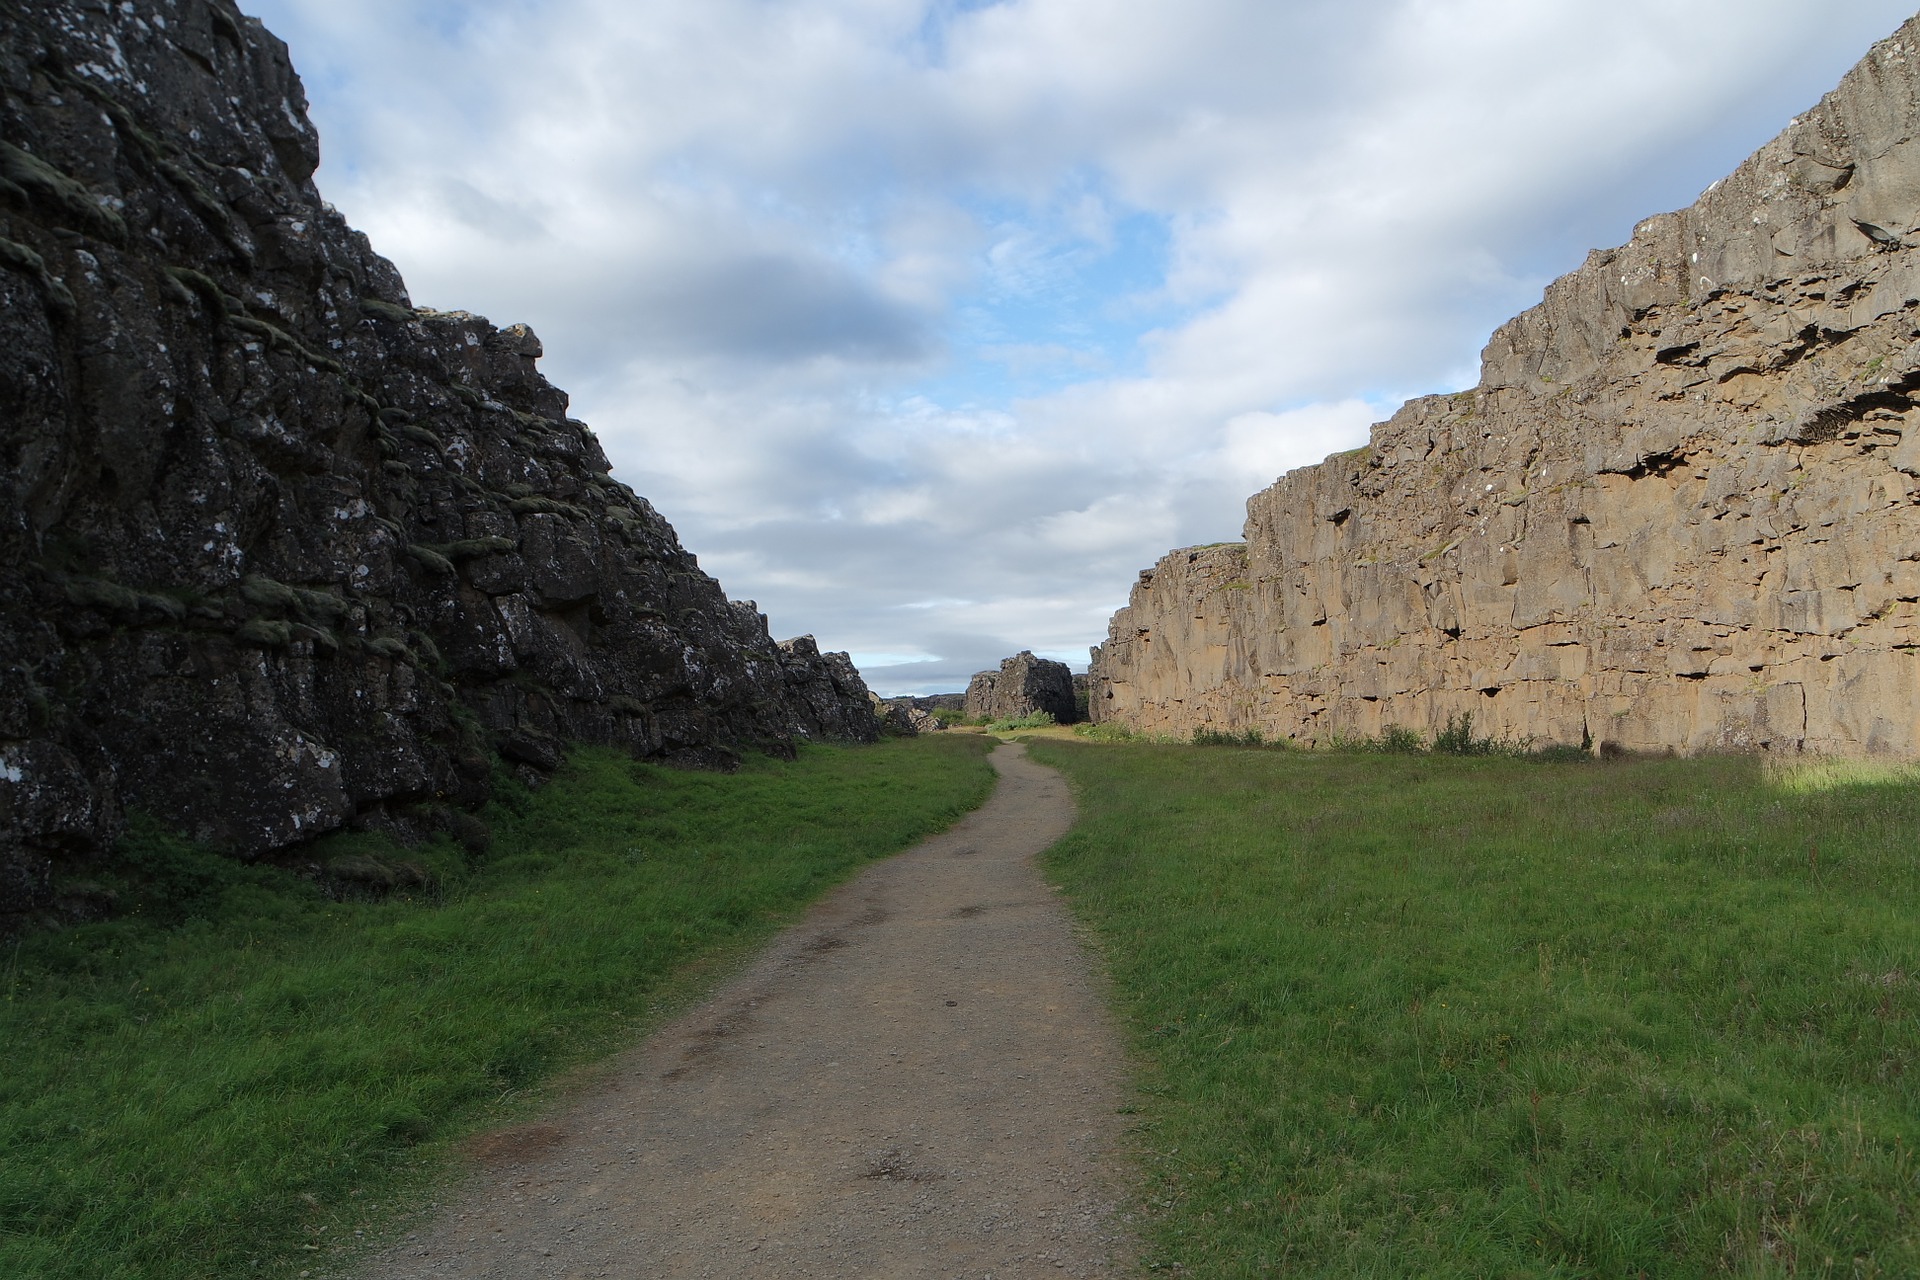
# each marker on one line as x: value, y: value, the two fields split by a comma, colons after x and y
x: 1680, y: 511
x: 278, y: 550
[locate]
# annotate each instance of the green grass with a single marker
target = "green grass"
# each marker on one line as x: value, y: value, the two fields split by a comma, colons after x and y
x: 241, y: 1071
x: 1441, y: 1016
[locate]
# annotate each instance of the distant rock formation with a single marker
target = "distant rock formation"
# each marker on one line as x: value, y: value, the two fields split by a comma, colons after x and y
x: 1680, y: 511
x: 1023, y: 685
x: 279, y: 551
x: 903, y: 717
x: 940, y: 702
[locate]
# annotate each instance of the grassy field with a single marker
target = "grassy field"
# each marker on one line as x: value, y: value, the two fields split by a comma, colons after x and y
x: 241, y: 1074
x: 1406, y: 1015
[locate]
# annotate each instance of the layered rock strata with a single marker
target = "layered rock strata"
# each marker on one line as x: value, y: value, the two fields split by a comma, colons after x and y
x: 1022, y: 686
x: 1680, y: 511
x: 278, y: 550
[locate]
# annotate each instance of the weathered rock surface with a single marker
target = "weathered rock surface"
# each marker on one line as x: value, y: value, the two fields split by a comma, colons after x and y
x: 940, y: 701
x: 1678, y: 512
x: 904, y: 718
x: 277, y: 549
x: 1023, y: 685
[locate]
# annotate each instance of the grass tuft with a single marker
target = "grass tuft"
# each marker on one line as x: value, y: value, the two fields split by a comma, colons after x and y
x: 1246, y: 738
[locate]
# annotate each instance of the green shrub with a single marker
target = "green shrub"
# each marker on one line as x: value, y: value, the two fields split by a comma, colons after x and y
x: 1211, y: 737
x: 1032, y: 720
x: 1106, y: 731
x: 1394, y: 740
x: 1458, y: 739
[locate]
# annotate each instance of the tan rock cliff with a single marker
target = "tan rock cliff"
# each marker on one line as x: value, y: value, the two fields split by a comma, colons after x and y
x: 1680, y: 510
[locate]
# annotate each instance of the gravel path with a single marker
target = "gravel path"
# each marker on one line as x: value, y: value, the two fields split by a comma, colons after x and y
x: 920, y: 1079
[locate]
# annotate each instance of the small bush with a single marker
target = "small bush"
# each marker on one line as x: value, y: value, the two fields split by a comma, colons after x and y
x: 1032, y: 720
x: 1398, y: 740
x: 1104, y: 732
x: 1228, y: 738
x: 1394, y: 740
x: 1457, y: 739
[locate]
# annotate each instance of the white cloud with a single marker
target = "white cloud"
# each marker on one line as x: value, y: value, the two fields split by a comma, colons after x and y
x: 848, y: 290
x: 1116, y: 522
x: 1260, y: 447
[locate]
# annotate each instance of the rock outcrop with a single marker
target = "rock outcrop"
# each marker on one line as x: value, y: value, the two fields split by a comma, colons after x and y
x: 1679, y: 512
x: 279, y: 550
x: 903, y: 718
x: 940, y: 702
x: 1022, y: 686
x: 827, y: 697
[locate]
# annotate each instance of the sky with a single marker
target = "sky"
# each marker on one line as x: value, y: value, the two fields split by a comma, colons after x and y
x: 929, y: 323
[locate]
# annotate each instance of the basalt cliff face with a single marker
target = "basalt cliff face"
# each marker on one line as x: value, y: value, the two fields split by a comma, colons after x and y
x: 278, y: 551
x: 1681, y: 511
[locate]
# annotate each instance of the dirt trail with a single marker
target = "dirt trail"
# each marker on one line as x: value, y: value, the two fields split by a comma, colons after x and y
x: 920, y: 1079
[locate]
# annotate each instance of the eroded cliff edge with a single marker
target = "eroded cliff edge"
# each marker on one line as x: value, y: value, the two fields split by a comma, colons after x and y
x: 1678, y: 512
x: 279, y: 551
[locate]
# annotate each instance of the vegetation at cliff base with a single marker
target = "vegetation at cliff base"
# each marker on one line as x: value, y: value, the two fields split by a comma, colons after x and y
x: 1013, y: 724
x: 1430, y: 1015
x: 246, y: 1072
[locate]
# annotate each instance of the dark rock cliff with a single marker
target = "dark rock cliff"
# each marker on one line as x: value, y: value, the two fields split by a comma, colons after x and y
x: 279, y: 551
x: 1022, y: 686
